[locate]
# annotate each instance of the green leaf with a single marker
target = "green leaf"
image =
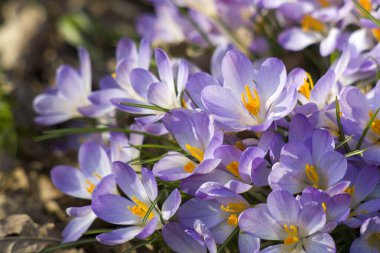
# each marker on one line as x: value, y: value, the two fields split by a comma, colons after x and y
x: 355, y: 152
x: 142, y: 244
x: 97, y: 231
x: 365, y: 131
x: 145, y: 106
x: 344, y: 141
x: 366, y: 13
x: 68, y: 245
x: 154, y: 203
x: 70, y: 131
x: 232, y: 235
x: 152, y: 146
x: 342, y: 136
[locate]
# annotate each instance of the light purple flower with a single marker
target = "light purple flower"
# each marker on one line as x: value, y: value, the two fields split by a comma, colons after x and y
x: 197, y: 135
x: 94, y: 164
x: 283, y: 219
x: 369, y: 240
x: 130, y: 211
x: 69, y: 98
x: 249, y: 99
x: 309, y: 162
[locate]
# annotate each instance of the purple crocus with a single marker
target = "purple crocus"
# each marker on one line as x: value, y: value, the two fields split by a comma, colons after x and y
x: 283, y: 219
x: 131, y: 210
x: 249, y: 99
x: 308, y: 162
x: 357, y: 109
x: 69, y: 98
x: 197, y: 135
x: 188, y: 240
x: 217, y: 206
x: 94, y: 164
x: 364, y: 181
x: 369, y: 240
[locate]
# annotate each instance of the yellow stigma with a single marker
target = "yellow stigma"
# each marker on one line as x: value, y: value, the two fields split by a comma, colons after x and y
x: 232, y: 220
x: 113, y: 74
x: 183, y: 102
x: 195, y: 152
x: 233, y: 168
x: 308, y: 23
x: 323, y: 206
x: 233, y: 207
x: 239, y: 145
x: 312, y: 175
x: 375, y: 126
x: 324, y: 3
x: 350, y: 190
x: 91, y: 186
x: 307, y: 86
x: 292, y: 232
x: 252, y: 103
x: 140, y: 209
x: 376, y: 33
x: 366, y: 4
x: 189, y: 167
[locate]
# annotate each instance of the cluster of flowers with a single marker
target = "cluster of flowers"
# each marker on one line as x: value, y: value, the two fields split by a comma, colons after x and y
x: 285, y: 164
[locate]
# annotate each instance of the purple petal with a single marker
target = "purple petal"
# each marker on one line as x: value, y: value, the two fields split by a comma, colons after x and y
x: 149, y: 229
x: 320, y: 242
x: 196, y: 84
x: 171, y: 204
x: 76, y: 227
x: 171, y: 167
x: 70, y: 181
x: 70, y: 83
x: 93, y: 159
x: 295, y: 39
x: 140, y: 80
x: 311, y: 219
x: 85, y: 69
x: 119, y: 236
x: 322, y: 89
x: 248, y: 243
x: 283, y: 207
x: 79, y: 211
x: 164, y: 68
x: 150, y: 183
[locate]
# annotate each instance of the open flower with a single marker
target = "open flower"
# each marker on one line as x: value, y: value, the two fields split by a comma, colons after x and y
x: 308, y: 163
x: 94, y: 164
x: 283, y: 219
x: 196, y: 134
x: 249, y: 99
x: 69, y: 98
x: 131, y: 211
x: 369, y: 240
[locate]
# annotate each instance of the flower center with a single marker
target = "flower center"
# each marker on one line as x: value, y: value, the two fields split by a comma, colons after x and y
x: 292, y: 232
x: 91, y: 186
x: 307, y: 86
x: 251, y: 103
x: 239, y: 145
x: 308, y: 23
x: 233, y: 168
x: 312, y: 175
x: 140, y: 209
x: 189, y: 167
x: 376, y: 33
x: 350, y: 190
x: 195, y: 152
x: 235, y: 209
x: 324, y: 206
x: 375, y: 126
x: 366, y: 4
x: 324, y: 3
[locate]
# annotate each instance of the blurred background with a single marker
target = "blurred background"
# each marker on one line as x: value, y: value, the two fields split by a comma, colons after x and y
x: 35, y: 38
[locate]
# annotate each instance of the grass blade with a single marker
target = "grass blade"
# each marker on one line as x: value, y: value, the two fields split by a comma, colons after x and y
x: 232, y: 235
x: 342, y: 136
x: 366, y: 13
x: 344, y: 141
x: 365, y: 131
x: 154, y: 203
x: 145, y: 106
x: 68, y: 245
x: 355, y: 152
x: 142, y: 244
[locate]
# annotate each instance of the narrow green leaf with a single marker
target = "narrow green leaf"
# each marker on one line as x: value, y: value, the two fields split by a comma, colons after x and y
x: 154, y: 203
x: 97, y: 231
x: 342, y: 136
x: 68, y: 245
x: 366, y: 13
x: 51, y: 134
x: 152, y: 146
x: 142, y: 244
x: 355, y: 152
x: 150, y: 107
x: 344, y: 141
x: 366, y: 129
x: 229, y: 238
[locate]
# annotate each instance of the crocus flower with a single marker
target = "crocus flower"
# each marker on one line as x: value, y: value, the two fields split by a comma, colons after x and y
x: 188, y: 240
x: 69, y: 98
x: 120, y: 83
x: 218, y: 207
x: 358, y: 110
x: 336, y: 207
x: 249, y: 99
x: 364, y: 180
x: 166, y: 93
x: 130, y: 211
x: 283, y: 219
x: 310, y: 163
x: 94, y: 164
x: 369, y: 240
x: 197, y: 135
